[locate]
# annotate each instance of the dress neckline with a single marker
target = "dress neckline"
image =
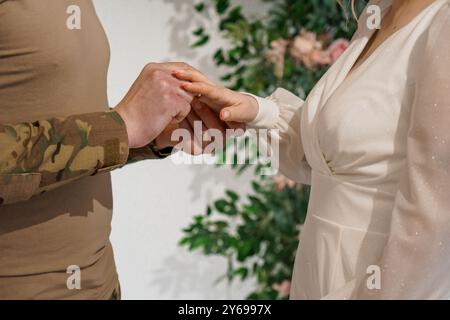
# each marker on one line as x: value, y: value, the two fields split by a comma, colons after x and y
x: 381, y: 46
x: 340, y: 71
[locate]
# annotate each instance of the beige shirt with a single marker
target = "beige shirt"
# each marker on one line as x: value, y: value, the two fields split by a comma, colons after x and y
x: 47, y: 70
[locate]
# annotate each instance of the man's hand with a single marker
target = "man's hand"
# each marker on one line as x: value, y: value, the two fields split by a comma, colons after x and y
x: 198, y: 138
x: 154, y: 101
x: 214, y: 107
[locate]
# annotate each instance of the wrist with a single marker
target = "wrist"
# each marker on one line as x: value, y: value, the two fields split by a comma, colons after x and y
x: 267, y: 113
x: 129, y: 125
x: 253, y: 106
x: 161, y: 152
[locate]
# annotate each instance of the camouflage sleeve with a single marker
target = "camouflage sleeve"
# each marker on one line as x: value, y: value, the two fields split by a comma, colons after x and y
x: 43, y: 155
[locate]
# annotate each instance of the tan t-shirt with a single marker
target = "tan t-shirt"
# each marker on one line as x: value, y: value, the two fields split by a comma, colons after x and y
x: 47, y: 70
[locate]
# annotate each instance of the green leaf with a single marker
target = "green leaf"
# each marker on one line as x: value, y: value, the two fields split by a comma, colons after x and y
x: 222, y: 6
x: 242, y: 272
x: 225, y: 207
x: 199, y: 32
x: 200, y: 7
x: 219, y: 57
x: 243, y: 250
x: 201, y: 42
x: 233, y: 195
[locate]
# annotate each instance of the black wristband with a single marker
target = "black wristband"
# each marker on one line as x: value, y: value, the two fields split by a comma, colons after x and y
x: 161, y: 153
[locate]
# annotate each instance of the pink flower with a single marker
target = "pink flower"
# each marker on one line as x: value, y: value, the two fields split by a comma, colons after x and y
x: 283, y: 288
x: 282, y: 182
x: 304, y: 44
x: 320, y: 57
x: 337, y: 48
x: 276, y: 55
x: 307, y: 49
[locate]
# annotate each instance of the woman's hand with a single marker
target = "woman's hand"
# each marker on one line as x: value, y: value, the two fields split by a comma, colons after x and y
x: 233, y: 107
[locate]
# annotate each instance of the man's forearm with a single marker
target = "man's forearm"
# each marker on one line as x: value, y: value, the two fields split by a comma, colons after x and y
x: 39, y: 156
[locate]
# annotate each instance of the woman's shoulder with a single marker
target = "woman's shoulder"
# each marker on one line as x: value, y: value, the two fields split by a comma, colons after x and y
x: 437, y: 35
x: 433, y: 46
x: 441, y: 21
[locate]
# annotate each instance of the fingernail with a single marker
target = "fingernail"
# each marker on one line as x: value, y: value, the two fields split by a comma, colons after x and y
x: 225, y: 115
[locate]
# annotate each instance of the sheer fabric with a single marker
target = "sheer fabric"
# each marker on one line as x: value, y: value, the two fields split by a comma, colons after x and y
x: 416, y: 260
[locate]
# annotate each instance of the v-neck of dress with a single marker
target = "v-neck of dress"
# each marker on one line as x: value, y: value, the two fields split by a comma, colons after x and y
x: 358, y: 47
x: 354, y: 68
x: 342, y: 74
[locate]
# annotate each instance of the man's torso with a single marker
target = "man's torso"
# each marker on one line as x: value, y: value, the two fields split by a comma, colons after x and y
x: 49, y: 70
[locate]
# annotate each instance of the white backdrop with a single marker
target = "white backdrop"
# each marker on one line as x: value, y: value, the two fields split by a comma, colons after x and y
x: 154, y: 200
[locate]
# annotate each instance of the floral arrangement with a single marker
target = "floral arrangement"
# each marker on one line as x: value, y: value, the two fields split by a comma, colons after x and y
x: 291, y: 47
x: 305, y: 49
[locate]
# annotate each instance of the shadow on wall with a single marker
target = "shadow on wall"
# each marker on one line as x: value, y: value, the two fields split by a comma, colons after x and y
x: 181, y: 27
x: 181, y: 272
x: 187, y: 20
x: 222, y: 176
x: 181, y: 275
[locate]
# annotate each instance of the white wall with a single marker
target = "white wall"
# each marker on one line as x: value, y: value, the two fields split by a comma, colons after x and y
x: 154, y: 200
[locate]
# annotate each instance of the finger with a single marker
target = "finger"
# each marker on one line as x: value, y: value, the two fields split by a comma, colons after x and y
x: 183, y: 109
x: 211, y: 121
x: 189, y: 97
x: 196, y: 146
x: 234, y: 114
x: 236, y: 126
x: 208, y: 116
x: 188, y: 145
x: 200, y: 88
x: 199, y: 127
x: 214, y: 97
x: 175, y: 85
x: 191, y: 75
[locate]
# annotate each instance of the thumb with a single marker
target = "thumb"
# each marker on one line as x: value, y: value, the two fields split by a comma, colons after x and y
x: 238, y: 113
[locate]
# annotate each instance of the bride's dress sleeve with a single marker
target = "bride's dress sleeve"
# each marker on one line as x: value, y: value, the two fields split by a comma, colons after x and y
x: 282, y: 111
x: 415, y: 263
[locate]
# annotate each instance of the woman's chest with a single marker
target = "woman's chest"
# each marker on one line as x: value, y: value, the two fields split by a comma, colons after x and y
x: 366, y: 119
x: 360, y: 126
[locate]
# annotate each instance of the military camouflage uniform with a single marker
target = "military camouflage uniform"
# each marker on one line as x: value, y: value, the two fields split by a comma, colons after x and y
x: 40, y: 156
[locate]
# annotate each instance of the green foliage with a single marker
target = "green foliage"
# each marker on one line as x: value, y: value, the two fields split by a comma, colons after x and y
x: 250, y: 37
x: 258, y: 235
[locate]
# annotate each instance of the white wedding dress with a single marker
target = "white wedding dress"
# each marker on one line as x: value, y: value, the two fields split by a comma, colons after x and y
x: 375, y: 147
